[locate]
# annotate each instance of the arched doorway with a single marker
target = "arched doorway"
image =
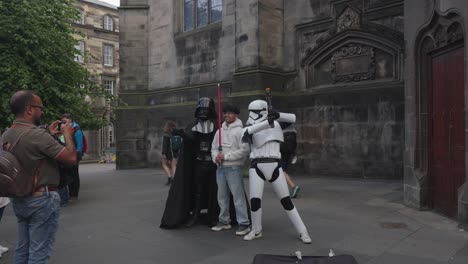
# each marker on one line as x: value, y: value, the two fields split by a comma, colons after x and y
x: 441, y: 114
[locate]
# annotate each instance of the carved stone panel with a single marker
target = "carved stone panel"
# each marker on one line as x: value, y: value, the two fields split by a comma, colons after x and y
x: 349, y: 19
x: 352, y: 63
x: 445, y: 34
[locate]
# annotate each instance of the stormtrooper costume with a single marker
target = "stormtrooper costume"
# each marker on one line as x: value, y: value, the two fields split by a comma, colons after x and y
x: 264, y: 134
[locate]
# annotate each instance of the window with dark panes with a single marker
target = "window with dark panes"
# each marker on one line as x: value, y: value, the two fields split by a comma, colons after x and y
x: 108, y: 23
x: 80, y: 47
x: 109, y: 85
x: 216, y: 10
x: 81, y: 18
x: 199, y: 13
x: 108, y: 55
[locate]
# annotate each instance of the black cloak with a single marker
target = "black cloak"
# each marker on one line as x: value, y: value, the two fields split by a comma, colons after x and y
x: 179, y: 202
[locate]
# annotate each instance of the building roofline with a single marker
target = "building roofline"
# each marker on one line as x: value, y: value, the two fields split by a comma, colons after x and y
x: 100, y: 3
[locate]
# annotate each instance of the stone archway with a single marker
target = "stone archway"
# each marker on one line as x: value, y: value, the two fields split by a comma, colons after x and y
x: 440, y: 115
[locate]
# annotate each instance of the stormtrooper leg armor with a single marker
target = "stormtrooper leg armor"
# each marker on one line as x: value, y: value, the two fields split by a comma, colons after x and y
x: 272, y: 172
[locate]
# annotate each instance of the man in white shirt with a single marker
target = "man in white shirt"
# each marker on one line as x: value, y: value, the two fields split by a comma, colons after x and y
x: 229, y: 172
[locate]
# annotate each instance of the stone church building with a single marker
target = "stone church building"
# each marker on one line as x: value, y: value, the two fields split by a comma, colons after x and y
x: 378, y: 86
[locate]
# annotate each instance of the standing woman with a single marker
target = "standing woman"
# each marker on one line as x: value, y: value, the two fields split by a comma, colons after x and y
x: 169, y: 156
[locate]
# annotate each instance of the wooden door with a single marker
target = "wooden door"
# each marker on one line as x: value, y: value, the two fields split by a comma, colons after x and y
x: 447, y: 130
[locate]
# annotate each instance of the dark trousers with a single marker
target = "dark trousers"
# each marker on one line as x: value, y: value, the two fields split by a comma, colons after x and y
x: 1, y: 211
x: 205, y: 190
x: 74, y: 186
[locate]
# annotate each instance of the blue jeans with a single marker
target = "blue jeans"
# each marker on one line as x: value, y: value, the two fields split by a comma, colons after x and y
x: 64, y: 195
x: 37, y: 224
x: 230, y: 178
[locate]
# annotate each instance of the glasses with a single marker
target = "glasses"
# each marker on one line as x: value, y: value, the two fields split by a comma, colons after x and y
x: 37, y: 106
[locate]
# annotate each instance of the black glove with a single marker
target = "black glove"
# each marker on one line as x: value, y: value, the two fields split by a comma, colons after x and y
x: 178, y: 132
x: 246, y: 138
x: 272, y: 116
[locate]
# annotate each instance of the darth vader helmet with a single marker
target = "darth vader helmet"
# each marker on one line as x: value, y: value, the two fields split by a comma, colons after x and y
x: 205, y: 109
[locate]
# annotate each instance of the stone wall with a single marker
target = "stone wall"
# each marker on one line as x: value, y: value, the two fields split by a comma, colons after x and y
x: 347, y: 115
x: 131, y: 125
x: 349, y: 86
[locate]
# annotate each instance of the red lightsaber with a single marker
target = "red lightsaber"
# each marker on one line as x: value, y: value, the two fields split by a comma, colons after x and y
x: 220, y: 147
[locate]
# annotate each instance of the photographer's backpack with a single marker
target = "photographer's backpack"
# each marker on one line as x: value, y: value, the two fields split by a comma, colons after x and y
x: 14, y: 181
x: 85, y: 141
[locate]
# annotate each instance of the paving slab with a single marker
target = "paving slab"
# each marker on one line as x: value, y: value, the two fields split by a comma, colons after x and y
x: 116, y: 220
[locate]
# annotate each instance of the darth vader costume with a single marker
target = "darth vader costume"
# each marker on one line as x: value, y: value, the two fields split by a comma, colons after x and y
x: 194, y: 186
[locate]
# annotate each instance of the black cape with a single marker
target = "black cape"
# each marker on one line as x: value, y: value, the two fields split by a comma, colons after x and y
x: 179, y: 200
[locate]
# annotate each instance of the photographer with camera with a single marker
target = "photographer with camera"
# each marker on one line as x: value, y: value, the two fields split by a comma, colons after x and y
x: 38, y: 213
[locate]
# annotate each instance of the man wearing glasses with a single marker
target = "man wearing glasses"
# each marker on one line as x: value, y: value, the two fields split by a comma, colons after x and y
x: 37, y: 151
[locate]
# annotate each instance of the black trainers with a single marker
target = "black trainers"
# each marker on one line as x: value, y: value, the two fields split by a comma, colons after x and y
x: 295, y: 191
x: 169, y: 181
x: 191, y: 222
x: 242, y: 230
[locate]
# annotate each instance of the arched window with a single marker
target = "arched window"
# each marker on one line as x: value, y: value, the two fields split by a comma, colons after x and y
x: 108, y: 23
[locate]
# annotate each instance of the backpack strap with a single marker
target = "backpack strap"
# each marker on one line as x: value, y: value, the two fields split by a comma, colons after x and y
x: 36, y: 175
x: 9, y: 147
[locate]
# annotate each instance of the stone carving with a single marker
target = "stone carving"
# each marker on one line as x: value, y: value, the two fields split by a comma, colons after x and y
x: 454, y: 33
x: 378, y: 30
x: 349, y: 19
x: 353, y: 63
x: 444, y: 35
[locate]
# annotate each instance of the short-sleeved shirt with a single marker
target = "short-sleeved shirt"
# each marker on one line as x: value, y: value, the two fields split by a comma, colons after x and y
x: 35, y: 146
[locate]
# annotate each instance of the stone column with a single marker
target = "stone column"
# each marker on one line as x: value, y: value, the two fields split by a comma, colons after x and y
x: 131, y: 118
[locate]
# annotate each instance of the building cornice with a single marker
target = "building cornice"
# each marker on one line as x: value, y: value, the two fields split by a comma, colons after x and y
x: 134, y: 7
x: 90, y: 27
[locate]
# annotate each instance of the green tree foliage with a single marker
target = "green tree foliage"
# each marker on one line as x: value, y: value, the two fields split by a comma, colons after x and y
x: 37, y: 51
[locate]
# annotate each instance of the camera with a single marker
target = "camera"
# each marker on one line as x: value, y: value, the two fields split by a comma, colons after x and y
x: 59, y: 124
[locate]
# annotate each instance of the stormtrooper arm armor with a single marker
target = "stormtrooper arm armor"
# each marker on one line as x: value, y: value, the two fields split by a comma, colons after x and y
x: 288, y: 118
x: 257, y: 127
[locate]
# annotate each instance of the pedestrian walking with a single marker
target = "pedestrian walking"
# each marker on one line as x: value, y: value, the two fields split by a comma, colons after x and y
x: 288, y: 154
x: 170, y: 150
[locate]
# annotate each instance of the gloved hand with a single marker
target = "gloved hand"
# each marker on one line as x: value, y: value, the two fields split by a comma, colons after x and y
x: 272, y: 116
x: 246, y: 138
x: 178, y: 132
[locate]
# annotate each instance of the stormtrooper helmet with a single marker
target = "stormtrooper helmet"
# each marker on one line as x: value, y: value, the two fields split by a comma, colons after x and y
x: 205, y: 109
x: 258, y: 111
